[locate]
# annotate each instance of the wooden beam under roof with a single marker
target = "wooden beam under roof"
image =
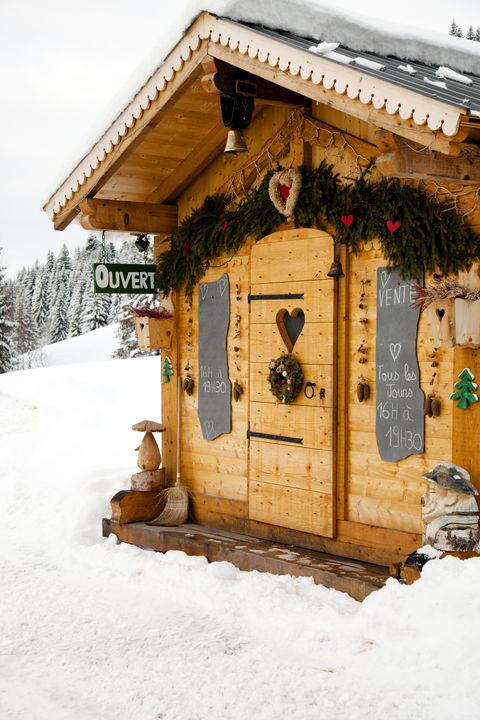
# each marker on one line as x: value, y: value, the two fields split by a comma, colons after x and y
x: 405, y: 128
x: 128, y: 216
x: 191, y: 166
x: 405, y: 161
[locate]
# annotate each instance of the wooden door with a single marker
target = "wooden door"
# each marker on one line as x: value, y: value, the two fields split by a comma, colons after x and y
x: 291, y: 476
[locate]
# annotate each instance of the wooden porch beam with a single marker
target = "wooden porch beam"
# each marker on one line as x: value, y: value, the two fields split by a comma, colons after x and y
x: 128, y: 216
x: 405, y: 161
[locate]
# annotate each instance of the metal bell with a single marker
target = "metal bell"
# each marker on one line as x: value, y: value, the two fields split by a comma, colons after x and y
x: 336, y: 270
x: 235, y: 143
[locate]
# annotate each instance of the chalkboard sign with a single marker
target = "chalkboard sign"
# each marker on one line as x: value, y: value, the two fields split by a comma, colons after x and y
x: 399, y: 400
x: 214, y: 387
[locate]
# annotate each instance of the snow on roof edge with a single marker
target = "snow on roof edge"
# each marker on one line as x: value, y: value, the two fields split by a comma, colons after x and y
x: 294, y: 16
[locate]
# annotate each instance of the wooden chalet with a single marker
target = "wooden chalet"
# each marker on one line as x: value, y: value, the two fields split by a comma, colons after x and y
x: 328, y: 495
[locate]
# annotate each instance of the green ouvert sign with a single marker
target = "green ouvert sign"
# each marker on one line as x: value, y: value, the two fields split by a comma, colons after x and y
x: 131, y: 279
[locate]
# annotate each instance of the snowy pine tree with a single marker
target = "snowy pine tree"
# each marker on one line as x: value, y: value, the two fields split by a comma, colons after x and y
x: 59, y: 316
x: 470, y: 33
x: 455, y: 29
x: 80, y: 285
x: 40, y: 301
x: 96, y: 311
x: 477, y: 34
x: 25, y: 331
x: 7, y: 355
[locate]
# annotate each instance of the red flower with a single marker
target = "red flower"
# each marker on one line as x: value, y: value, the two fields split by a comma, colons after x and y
x: 284, y: 192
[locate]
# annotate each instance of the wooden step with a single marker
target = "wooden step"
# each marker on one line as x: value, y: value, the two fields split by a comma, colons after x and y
x: 358, y: 579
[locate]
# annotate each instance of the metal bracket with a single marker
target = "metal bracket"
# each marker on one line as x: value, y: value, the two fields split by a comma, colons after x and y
x: 268, y: 436
x: 281, y: 296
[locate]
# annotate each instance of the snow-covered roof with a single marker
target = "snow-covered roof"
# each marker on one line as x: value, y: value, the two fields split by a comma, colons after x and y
x: 351, y: 69
x: 436, y: 81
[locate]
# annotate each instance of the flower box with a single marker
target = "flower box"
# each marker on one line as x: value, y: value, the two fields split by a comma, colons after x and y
x: 441, y: 320
x: 154, y: 333
x: 467, y: 322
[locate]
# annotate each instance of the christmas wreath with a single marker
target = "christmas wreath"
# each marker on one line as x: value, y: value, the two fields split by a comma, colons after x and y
x: 284, y: 189
x: 285, y: 378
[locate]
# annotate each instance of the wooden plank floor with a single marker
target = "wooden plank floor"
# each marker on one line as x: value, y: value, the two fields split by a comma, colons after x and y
x: 358, y: 579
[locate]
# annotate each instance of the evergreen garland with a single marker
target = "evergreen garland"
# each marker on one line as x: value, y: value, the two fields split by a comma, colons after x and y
x: 430, y: 234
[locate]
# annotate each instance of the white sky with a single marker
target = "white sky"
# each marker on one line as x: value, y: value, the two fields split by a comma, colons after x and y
x: 62, y: 63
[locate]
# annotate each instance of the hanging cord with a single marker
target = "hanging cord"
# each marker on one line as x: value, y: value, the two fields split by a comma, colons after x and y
x: 104, y: 247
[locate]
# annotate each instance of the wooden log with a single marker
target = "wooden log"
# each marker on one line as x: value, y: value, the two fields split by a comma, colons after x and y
x: 136, y: 506
x: 128, y: 216
x: 149, y: 480
x: 413, y: 162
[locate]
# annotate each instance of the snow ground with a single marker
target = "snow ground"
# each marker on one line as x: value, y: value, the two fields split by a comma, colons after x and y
x: 91, y: 629
x: 93, y: 346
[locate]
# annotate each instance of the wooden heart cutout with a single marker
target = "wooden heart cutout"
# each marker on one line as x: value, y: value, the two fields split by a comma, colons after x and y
x: 440, y: 313
x: 290, y: 326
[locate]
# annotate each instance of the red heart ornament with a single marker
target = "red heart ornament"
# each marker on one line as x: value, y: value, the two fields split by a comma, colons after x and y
x: 393, y: 225
x: 284, y: 191
x: 347, y: 220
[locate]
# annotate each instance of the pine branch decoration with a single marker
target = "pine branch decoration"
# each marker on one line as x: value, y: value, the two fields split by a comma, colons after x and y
x: 431, y: 234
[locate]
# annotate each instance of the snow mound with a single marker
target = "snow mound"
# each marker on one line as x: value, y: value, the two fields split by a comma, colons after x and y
x: 93, y: 346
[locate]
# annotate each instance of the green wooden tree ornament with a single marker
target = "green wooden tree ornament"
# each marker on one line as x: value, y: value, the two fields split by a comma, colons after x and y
x: 465, y: 388
x: 167, y: 370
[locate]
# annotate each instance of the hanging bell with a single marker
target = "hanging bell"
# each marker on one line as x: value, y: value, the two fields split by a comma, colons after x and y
x: 235, y: 143
x: 336, y: 270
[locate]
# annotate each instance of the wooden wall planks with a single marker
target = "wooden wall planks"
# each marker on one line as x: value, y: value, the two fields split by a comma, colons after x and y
x: 377, y: 503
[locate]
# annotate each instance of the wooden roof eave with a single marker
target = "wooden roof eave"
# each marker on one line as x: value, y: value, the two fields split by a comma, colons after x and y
x: 144, y: 112
x: 424, y: 120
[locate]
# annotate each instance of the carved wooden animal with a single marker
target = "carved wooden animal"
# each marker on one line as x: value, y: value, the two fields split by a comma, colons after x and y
x: 449, y: 509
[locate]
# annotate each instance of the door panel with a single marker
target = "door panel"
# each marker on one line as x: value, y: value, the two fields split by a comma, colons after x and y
x: 292, y: 483
x: 289, y: 507
x: 292, y: 466
x: 313, y: 345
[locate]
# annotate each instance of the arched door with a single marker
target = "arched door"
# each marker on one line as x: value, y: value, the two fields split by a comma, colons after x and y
x: 292, y: 447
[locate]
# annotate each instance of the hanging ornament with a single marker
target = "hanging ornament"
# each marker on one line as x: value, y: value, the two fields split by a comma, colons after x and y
x: 188, y: 385
x: 465, y: 388
x: 224, y: 226
x: 167, y: 370
x: 363, y: 389
x: 285, y: 378
x: 347, y: 220
x: 284, y: 189
x: 237, y: 390
x: 393, y: 225
x: 186, y: 247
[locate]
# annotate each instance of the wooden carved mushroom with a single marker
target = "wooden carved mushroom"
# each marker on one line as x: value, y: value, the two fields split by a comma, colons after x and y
x: 149, y: 457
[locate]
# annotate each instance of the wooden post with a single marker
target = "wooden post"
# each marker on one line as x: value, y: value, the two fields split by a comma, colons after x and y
x: 465, y: 445
x: 169, y: 389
